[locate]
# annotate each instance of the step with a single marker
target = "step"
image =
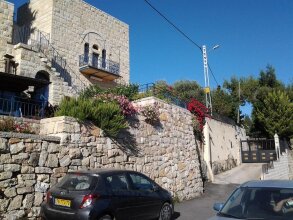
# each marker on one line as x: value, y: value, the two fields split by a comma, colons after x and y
x: 44, y: 60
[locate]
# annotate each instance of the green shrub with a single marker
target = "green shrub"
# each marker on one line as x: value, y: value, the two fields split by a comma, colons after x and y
x: 128, y: 91
x: 105, y: 115
x: 108, y: 117
x: 80, y: 108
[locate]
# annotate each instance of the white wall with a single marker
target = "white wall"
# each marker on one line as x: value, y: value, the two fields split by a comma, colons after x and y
x: 222, y: 145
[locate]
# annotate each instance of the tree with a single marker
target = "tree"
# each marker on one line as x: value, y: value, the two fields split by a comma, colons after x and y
x: 187, y: 90
x: 274, y: 115
x: 223, y: 104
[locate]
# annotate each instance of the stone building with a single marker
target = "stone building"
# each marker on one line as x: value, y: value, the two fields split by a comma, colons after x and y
x: 55, y: 49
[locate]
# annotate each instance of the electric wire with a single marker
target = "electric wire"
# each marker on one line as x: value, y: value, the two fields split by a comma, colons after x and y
x: 182, y: 33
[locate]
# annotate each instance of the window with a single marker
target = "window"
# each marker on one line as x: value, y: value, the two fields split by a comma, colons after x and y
x: 77, y: 182
x: 140, y: 182
x: 117, y: 182
x: 104, y: 58
x: 96, y: 47
x: 86, y: 52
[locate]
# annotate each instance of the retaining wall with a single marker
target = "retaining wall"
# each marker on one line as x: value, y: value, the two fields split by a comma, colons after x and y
x: 167, y: 153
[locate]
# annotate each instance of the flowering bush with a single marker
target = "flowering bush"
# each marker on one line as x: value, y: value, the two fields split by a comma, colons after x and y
x: 151, y: 113
x: 200, y: 111
x: 126, y: 106
x: 9, y: 125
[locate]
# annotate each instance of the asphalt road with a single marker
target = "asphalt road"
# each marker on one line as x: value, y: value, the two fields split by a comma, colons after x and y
x: 202, y: 208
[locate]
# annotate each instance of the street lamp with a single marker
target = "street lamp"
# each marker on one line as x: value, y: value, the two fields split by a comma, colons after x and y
x: 207, y: 89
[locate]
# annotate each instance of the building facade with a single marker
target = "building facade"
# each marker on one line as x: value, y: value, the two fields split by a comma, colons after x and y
x: 58, y: 48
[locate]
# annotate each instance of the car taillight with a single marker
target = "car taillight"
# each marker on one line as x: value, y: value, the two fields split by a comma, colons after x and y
x: 88, y: 200
x: 48, y: 197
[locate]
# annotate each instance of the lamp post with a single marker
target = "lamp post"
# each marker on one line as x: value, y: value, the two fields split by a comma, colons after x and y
x: 207, y: 89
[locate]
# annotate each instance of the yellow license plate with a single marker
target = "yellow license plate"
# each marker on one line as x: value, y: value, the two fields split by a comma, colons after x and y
x: 63, y: 202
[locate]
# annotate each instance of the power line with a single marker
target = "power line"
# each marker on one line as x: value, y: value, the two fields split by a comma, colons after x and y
x: 171, y: 23
x: 213, y: 74
x: 182, y: 33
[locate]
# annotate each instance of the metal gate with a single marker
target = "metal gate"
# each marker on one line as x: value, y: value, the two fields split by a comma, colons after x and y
x: 258, y: 150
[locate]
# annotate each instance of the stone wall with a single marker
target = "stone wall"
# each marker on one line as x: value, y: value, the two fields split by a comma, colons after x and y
x: 68, y: 23
x: 222, y: 145
x: 167, y: 153
x: 36, y: 13
x: 25, y: 173
x: 6, y: 26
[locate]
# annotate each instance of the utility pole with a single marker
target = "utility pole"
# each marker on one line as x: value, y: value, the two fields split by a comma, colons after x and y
x: 238, y: 115
x: 207, y: 89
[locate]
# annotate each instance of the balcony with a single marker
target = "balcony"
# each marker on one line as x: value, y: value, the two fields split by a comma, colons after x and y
x: 104, y: 69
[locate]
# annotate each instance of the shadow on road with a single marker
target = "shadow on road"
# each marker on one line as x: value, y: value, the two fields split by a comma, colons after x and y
x: 176, y: 215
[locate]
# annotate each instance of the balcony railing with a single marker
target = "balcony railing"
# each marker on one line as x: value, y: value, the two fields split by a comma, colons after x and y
x: 92, y: 61
x: 18, y: 107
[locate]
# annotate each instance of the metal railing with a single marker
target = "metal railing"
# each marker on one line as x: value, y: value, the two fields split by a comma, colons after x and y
x: 99, y: 63
x: 18, y: 107
x: 40, y: 42
x: 158, y: 92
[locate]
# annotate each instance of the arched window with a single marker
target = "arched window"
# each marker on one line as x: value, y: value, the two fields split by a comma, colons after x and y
x: 86, y: 52
x: 42, y: 93
x: 43, y: 75
x: 96, y: 47
x: 104, y: 58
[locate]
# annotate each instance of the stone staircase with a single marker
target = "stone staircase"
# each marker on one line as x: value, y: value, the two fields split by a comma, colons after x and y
x: 53, y: 60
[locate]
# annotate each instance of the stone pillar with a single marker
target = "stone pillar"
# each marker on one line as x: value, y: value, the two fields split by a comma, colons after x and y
x: 277, y: 146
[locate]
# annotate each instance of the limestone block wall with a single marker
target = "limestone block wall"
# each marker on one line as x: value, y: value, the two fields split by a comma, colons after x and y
x: 30, y: 164
x: 37, y: 14
x: 167, y: 152
x: 222, y: 145
x: 72, y: 20
x: 69, y: 22
x: 280, y: 169
x: 6, y: 27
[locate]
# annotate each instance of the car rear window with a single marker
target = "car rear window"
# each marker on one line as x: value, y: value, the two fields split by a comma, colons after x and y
x: 77, y: 182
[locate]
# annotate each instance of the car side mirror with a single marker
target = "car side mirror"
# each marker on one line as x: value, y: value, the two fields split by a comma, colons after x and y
x: 218, y: 206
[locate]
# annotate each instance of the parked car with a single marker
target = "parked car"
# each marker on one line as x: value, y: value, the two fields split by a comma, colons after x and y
x: 107, y: 195
x: 262, y: 199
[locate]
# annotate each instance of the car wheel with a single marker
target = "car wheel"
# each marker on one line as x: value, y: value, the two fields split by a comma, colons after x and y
x: 166, y: 212
x: 106, y: 217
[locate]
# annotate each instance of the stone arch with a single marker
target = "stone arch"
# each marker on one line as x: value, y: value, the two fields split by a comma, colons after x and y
x: 42, y: 93
x: 43, y: 75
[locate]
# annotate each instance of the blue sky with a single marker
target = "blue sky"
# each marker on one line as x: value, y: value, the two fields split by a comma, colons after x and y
x: 252, y: 34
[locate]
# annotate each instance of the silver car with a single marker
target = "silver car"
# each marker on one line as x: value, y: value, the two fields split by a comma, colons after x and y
x: 263, y: 199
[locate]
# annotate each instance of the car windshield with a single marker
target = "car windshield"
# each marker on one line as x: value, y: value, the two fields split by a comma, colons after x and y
x: 259, y: 203
x: 77, y: 182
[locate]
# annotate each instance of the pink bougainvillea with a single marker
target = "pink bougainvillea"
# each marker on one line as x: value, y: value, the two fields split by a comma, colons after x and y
x: 126, y: 106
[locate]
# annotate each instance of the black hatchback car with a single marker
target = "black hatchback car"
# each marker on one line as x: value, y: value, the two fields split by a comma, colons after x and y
x: 107, y: 195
